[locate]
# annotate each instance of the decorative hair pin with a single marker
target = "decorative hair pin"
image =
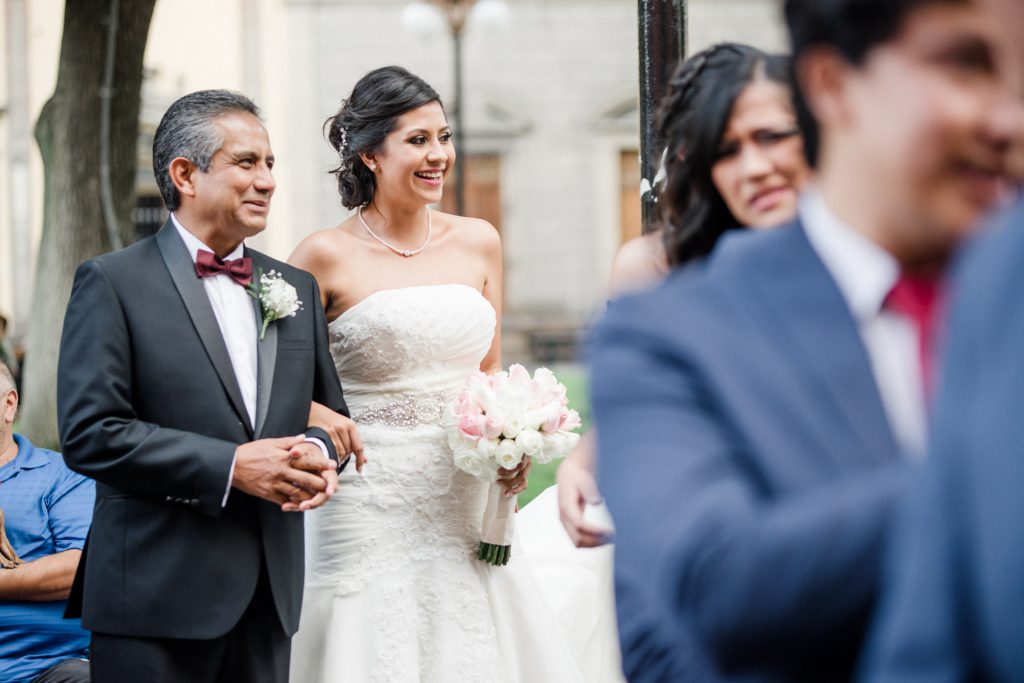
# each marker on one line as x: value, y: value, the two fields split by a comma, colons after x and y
x: 344, y: 139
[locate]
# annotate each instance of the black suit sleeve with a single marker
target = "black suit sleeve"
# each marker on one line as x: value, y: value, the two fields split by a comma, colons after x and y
x: 326, y: 385
x: 101, y: 435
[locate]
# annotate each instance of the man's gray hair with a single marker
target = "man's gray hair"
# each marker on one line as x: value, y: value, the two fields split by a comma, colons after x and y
x: 186, y: 130
x: 6, y: 378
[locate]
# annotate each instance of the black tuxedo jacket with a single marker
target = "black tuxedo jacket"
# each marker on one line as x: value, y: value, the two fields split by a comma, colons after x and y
x: 149, y: 407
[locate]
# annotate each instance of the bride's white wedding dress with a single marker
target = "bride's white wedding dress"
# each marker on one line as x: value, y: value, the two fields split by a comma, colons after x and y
x: 394, y: 591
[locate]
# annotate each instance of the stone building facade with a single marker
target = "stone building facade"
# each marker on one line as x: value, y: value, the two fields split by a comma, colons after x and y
x: 549, y: 133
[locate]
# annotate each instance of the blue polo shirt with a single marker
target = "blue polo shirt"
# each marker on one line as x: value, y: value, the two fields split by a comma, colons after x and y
x: 47, y: 510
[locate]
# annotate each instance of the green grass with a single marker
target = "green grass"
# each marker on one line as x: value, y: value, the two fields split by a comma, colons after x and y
x: 575, y: 380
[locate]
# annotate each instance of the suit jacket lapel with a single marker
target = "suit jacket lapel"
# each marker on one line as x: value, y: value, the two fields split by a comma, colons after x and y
x: 824, y: 338
x: 267, y: 353
x: 193, y: 294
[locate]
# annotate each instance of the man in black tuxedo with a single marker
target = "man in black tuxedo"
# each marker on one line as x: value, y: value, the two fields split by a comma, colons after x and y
x: 193, y: 423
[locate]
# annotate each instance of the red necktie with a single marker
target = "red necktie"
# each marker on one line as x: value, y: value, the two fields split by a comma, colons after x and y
x: 209, y: 264
x: 920, y: 299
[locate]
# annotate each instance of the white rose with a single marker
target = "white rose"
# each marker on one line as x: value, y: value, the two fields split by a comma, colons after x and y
x: 556, y: 445
x: 530, y: 442
x: 545, y: 418
x: 508, y: 454
x: 515, y: 422
x: 468, y: 460
x: 545, y: 378
x: 487, y: 449
x: 482, y: 395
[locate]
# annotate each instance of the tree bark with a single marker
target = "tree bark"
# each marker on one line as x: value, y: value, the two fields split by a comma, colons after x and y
x: 68, y: 134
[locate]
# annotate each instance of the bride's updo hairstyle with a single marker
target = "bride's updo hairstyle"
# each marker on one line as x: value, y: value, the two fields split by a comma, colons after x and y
x: 691, y: 121
x: 365, y: 119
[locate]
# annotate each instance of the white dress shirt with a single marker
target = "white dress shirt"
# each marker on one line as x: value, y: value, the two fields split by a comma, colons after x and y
x: 865, y: 274
x: 236, y: 319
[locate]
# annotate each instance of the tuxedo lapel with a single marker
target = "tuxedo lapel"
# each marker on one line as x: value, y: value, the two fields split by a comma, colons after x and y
x: 267, y: 353
x: 193, y: 294
x: 823, y: 340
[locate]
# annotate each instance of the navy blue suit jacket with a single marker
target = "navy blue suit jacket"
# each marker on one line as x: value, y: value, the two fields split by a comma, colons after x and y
x: 748, y: 463
x: 953, y: 609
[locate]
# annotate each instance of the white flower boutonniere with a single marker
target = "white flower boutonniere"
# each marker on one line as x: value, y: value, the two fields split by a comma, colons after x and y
x: 277, y: 298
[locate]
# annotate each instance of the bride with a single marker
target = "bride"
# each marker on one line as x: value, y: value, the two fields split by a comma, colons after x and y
x: 394, y: 591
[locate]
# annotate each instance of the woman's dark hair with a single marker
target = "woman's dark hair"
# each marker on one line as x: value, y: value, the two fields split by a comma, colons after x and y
x: 691, y: 122
x: 365, y: 119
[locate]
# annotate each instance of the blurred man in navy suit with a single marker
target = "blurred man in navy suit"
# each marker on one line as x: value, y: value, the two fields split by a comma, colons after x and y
x: 759, y: 417
x: 951, y: 608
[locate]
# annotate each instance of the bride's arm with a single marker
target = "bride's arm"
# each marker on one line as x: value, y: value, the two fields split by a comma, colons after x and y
x: 513, y: 481
x: 490, y: 247
x: 342, y: 430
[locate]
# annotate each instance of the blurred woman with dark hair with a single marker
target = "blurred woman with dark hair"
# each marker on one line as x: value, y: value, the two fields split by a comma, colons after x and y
x: 733, y: 159
x: 734, y: 152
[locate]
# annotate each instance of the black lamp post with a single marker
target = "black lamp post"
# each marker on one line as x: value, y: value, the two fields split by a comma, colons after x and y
x: 662, y: 27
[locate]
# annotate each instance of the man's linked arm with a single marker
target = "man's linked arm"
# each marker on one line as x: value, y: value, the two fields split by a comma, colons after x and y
x: 326, y: 385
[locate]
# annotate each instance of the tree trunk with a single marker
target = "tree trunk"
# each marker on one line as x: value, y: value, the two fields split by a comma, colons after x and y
x: 68, y: 133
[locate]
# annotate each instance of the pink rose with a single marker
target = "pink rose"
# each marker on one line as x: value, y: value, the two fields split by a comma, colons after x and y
x: 465, y: 406
x: 552, y: 423
x: 492, y: 426
x: 570, y: 420
x: 469, y: 426
x: 518, y: 375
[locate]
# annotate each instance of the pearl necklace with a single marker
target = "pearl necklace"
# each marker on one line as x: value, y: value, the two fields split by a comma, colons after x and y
x: 403, y: 252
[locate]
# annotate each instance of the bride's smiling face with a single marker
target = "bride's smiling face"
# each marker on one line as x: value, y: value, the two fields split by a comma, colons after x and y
x: 416, y: 156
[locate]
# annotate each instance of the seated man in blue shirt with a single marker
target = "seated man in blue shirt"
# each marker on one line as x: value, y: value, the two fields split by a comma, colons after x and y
x: 47, y: 510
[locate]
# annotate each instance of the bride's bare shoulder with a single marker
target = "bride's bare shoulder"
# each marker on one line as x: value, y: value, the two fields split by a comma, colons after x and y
x: 474, y: 233
x: 324, y: 249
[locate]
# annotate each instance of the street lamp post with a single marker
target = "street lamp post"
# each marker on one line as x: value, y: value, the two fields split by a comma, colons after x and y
x: 662, y: 30
x: 456, y: 14
x: 455, y: 11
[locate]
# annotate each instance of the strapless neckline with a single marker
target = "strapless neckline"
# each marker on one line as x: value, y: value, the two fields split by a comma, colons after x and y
x: 392, y: 290
x: 410, y: 344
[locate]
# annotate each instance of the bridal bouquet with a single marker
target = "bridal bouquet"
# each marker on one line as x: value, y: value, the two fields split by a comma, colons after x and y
x: 498, y: 420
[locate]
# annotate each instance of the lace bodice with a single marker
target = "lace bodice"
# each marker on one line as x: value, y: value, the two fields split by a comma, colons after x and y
x: 413, y: 344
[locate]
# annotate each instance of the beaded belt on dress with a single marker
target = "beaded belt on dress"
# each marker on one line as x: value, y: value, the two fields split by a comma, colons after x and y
x: 407, y: 411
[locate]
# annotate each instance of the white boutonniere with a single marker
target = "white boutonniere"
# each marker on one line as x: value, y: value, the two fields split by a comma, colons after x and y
x: 277, y: 298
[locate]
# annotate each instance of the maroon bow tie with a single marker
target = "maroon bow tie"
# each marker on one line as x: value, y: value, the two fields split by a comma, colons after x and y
x: 209, y: 264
